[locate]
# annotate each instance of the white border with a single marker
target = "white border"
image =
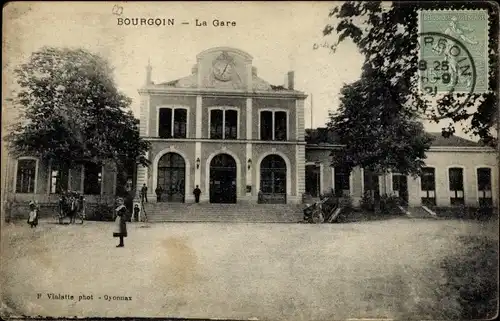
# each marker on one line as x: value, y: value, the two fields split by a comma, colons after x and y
x: 273, y: 110
x: 187, y: 170
x: 238, y: 170
x: 224, y: 108
x: 35, y: 184
x: 173, y: 107
x: 288, y: 171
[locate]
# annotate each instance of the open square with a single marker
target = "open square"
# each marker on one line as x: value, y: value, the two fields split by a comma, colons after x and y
x: 242, y: 271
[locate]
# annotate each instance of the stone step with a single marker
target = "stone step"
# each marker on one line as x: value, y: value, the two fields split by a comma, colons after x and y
x: 279, y: 213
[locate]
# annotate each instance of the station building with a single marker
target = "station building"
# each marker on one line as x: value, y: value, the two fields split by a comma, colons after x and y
x: 241, y: 139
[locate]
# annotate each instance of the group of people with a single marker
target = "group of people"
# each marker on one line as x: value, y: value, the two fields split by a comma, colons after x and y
x: 159, y: 192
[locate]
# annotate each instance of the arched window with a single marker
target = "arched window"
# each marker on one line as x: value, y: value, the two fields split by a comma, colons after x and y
x: 171, y: 178
x: 273, y: 178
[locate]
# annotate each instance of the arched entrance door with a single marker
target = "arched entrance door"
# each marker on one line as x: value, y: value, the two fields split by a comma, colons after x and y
x: 273, y: 180
x: 223, y: 179
x: 171, y: 178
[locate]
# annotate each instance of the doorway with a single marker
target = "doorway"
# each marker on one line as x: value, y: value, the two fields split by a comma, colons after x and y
x: 223, y: 179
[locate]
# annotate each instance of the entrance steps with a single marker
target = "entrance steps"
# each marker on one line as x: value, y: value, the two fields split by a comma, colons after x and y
x: 237, y: 213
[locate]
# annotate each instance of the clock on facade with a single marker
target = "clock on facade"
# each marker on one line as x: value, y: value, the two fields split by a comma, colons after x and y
x: 223, y: 68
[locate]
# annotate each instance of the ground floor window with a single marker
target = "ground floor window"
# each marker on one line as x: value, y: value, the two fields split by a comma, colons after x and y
x: 428, y: 186
x: 59, y: 179
x: 341, y: 182
x: 26, y: 175
x: 92, y: 179
x: 313, y: 176
x: 456, y: 185
x: 484, y: 187
x: 400, y: 186
x: 371, y: 185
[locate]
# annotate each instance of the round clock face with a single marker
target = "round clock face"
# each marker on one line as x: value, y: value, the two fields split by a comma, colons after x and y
x: 222, y: 70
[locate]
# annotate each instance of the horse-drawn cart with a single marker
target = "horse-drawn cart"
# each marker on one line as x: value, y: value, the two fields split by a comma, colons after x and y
x: 72, y: 206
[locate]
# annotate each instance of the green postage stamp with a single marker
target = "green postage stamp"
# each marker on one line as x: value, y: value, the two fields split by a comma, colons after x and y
x: 453, y: 51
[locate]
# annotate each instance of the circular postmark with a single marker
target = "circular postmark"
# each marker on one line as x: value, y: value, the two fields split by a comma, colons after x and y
x: 445, y: 67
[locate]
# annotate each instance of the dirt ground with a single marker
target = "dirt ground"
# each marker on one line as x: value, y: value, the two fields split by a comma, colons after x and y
x: 380, y: 269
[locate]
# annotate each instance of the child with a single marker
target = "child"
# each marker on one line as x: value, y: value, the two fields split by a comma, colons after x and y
x: 137, y: 210
x: 33, y: 216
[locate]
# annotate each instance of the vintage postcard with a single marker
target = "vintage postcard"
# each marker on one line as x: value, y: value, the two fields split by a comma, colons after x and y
x: 250, y: 160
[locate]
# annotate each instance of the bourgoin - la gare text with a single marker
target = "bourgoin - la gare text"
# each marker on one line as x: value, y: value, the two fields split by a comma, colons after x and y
x: 172, y: 22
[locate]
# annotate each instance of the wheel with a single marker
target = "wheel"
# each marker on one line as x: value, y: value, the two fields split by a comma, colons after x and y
x: 79, y: 218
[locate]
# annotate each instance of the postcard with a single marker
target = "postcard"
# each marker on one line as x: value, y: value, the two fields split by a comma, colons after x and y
x: 250, y: 160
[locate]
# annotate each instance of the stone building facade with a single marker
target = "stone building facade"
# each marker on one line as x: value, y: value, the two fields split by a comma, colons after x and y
x: 240, y: 139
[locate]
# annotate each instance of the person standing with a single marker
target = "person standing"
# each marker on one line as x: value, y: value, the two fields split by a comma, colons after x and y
x: 33, y: 215
x: 137, y: 211
x: 144, y: 193
x: 197, y: 192
x: 158, y: 192
x: 120, y: 222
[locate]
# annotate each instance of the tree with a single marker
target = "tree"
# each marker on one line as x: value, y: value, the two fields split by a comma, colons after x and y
x: 72, y: 113
x: 387, y: 36
x: 378, y: 134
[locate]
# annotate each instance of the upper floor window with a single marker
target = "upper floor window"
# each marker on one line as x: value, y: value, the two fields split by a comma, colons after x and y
x: 273, y: 125
x: 26, y: 175
x: 58, y: 180
x: 92, y: 179
x: 172, y: 122
x: 223, y: 123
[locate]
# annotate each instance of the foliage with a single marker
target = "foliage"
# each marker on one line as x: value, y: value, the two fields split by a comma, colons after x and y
x: 72, y: 111
x: 376, y: 131
x: 387, y: 36
x: 472, y: 275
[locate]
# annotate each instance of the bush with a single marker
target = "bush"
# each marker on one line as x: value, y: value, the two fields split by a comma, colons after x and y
x: 101, y: 212
x: 389, y: 204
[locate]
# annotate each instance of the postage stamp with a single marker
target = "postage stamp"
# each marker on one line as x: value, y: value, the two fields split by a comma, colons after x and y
x: 453, y: 51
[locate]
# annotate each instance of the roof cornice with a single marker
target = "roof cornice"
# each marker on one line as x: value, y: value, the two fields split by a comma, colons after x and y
x: 212, y: 92
x: 466, y: 149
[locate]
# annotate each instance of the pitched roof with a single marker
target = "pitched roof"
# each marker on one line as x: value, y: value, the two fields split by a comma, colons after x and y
x: 439, y: 140
x: 322, y: 136
x: 191, y: 81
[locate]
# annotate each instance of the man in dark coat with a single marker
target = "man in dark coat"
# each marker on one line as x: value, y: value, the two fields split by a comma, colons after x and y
x: 197, y: 192
x: 120, y: 222
x: 144, y: 193
x: 158, y: 192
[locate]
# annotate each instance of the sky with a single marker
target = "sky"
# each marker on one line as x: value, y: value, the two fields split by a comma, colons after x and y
x: 279, y: 35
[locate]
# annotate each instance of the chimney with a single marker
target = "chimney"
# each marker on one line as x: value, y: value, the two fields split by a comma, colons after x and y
x: 291, y: 80
x: 148, y: 73
x: 194, y: 70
